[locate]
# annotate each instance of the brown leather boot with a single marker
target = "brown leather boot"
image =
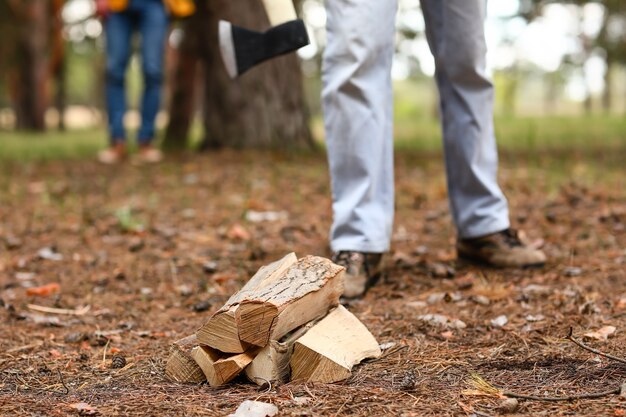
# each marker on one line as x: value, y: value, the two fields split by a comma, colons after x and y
x: 502, y: 249
x: 362, y: 271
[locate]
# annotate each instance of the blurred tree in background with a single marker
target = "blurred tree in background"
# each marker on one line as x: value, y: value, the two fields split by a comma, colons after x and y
x: 264, y: 108
x: 29, y: 30
x: 547, y: 57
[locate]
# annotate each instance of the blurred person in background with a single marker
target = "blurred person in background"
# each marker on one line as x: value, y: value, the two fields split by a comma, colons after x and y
x: 122, y: 19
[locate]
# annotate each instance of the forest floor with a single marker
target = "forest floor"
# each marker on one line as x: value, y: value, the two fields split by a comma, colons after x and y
x: 143, y: 256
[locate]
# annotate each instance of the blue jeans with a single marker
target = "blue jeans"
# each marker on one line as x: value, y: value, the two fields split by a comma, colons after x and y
x: 150, y: 19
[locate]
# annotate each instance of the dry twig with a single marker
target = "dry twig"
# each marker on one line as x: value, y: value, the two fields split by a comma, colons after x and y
x: 66, y: 311
x: 570, y: 336
x: 583, y: 396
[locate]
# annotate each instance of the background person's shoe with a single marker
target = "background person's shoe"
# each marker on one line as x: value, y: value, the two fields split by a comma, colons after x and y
x: 502, y: 249
x: 113, y: 155
x: 148, y: 154
x: 362, y: 271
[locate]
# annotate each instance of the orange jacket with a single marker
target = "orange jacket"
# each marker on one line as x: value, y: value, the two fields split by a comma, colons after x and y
x: 178, y: 8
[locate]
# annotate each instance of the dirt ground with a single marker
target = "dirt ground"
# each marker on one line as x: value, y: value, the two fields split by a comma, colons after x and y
x: 144, y: 255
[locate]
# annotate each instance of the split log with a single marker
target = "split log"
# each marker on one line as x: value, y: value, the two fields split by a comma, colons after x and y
x: 180, y: 365
x: 271, y: 364
x: 219, y: 369
x: 221, y: 331
x: 329, y: 350
x: 278, y: 299
x: 305, y: 292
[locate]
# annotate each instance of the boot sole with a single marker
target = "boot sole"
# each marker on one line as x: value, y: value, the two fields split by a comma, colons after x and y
x: 473, y: 260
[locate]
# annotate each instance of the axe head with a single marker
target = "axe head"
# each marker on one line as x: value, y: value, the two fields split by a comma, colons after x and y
x: 242, y: 49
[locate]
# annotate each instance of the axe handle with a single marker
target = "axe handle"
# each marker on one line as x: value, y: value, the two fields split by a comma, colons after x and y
x: 280, y: 11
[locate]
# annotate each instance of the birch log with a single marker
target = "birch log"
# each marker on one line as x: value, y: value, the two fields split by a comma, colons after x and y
x: 221, y: 331
x: 278, y: 299
x: 329, y: 350
x: 180, y: 365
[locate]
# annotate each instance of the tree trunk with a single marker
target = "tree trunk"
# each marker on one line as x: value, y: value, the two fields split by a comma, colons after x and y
x: 551, y: 90
x: 607, y: 96
x: 185, y: 79
x: 265, y: 108
x: 31, y: 71
x: 58, y: 62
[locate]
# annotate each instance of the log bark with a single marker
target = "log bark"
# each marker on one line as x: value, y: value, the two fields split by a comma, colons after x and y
x: 305, y: 292
x: 221, y: 331
x: 329, y: 350
x: 31, y: 72
x: 186, y: 80
x: 278, y: 299
x: 181, y: 367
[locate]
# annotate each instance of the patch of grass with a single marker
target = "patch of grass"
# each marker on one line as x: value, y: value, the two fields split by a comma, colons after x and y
x: 526, y: 133
x: 530, y: 137
x: 73, y: 144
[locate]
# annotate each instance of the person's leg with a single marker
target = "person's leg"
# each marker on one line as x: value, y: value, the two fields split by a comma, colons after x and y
x: 358, y: 113
x: 118, y: 31
x: 455, y: 31
x: 153, y: 24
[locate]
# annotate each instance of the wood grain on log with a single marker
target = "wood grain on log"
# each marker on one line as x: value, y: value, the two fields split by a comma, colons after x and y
x: 219, y: 369
x: 180, y: 365
x: 271, y: 364
x: 220, y: 331
x: 329, y: 350
x: 278, y: 299
x: 306, y: 291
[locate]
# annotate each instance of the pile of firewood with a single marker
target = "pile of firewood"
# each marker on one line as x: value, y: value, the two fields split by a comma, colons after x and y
x: 284, y: 324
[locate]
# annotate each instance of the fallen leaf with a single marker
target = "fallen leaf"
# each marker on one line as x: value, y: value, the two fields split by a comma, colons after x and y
x: 387, y: 345
x: 49, y: 254
x: 447, y: 335
x: 534, y: 289
x: 508, y: 406
x: 480, y: 299
x: 538, y: 317
x: 441, y: 320
x: 223, y: 277
x: 44, y: 290
x: 601, y: 334
x: 237, y: 232
x: 83, y: 408
x: 265, y: 216
x: 572, y: 271
x: 302, y: 400
x: 65, y: 311
x: 24, y: 276
x: 255, y: 409
x: 45, y: 320
x: 500, y: 321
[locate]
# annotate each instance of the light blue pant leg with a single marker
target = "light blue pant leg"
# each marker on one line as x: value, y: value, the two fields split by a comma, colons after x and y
x: 358, y: 113
x: 153, y: 23
x: 118, y: 31
x: 455, y: 31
